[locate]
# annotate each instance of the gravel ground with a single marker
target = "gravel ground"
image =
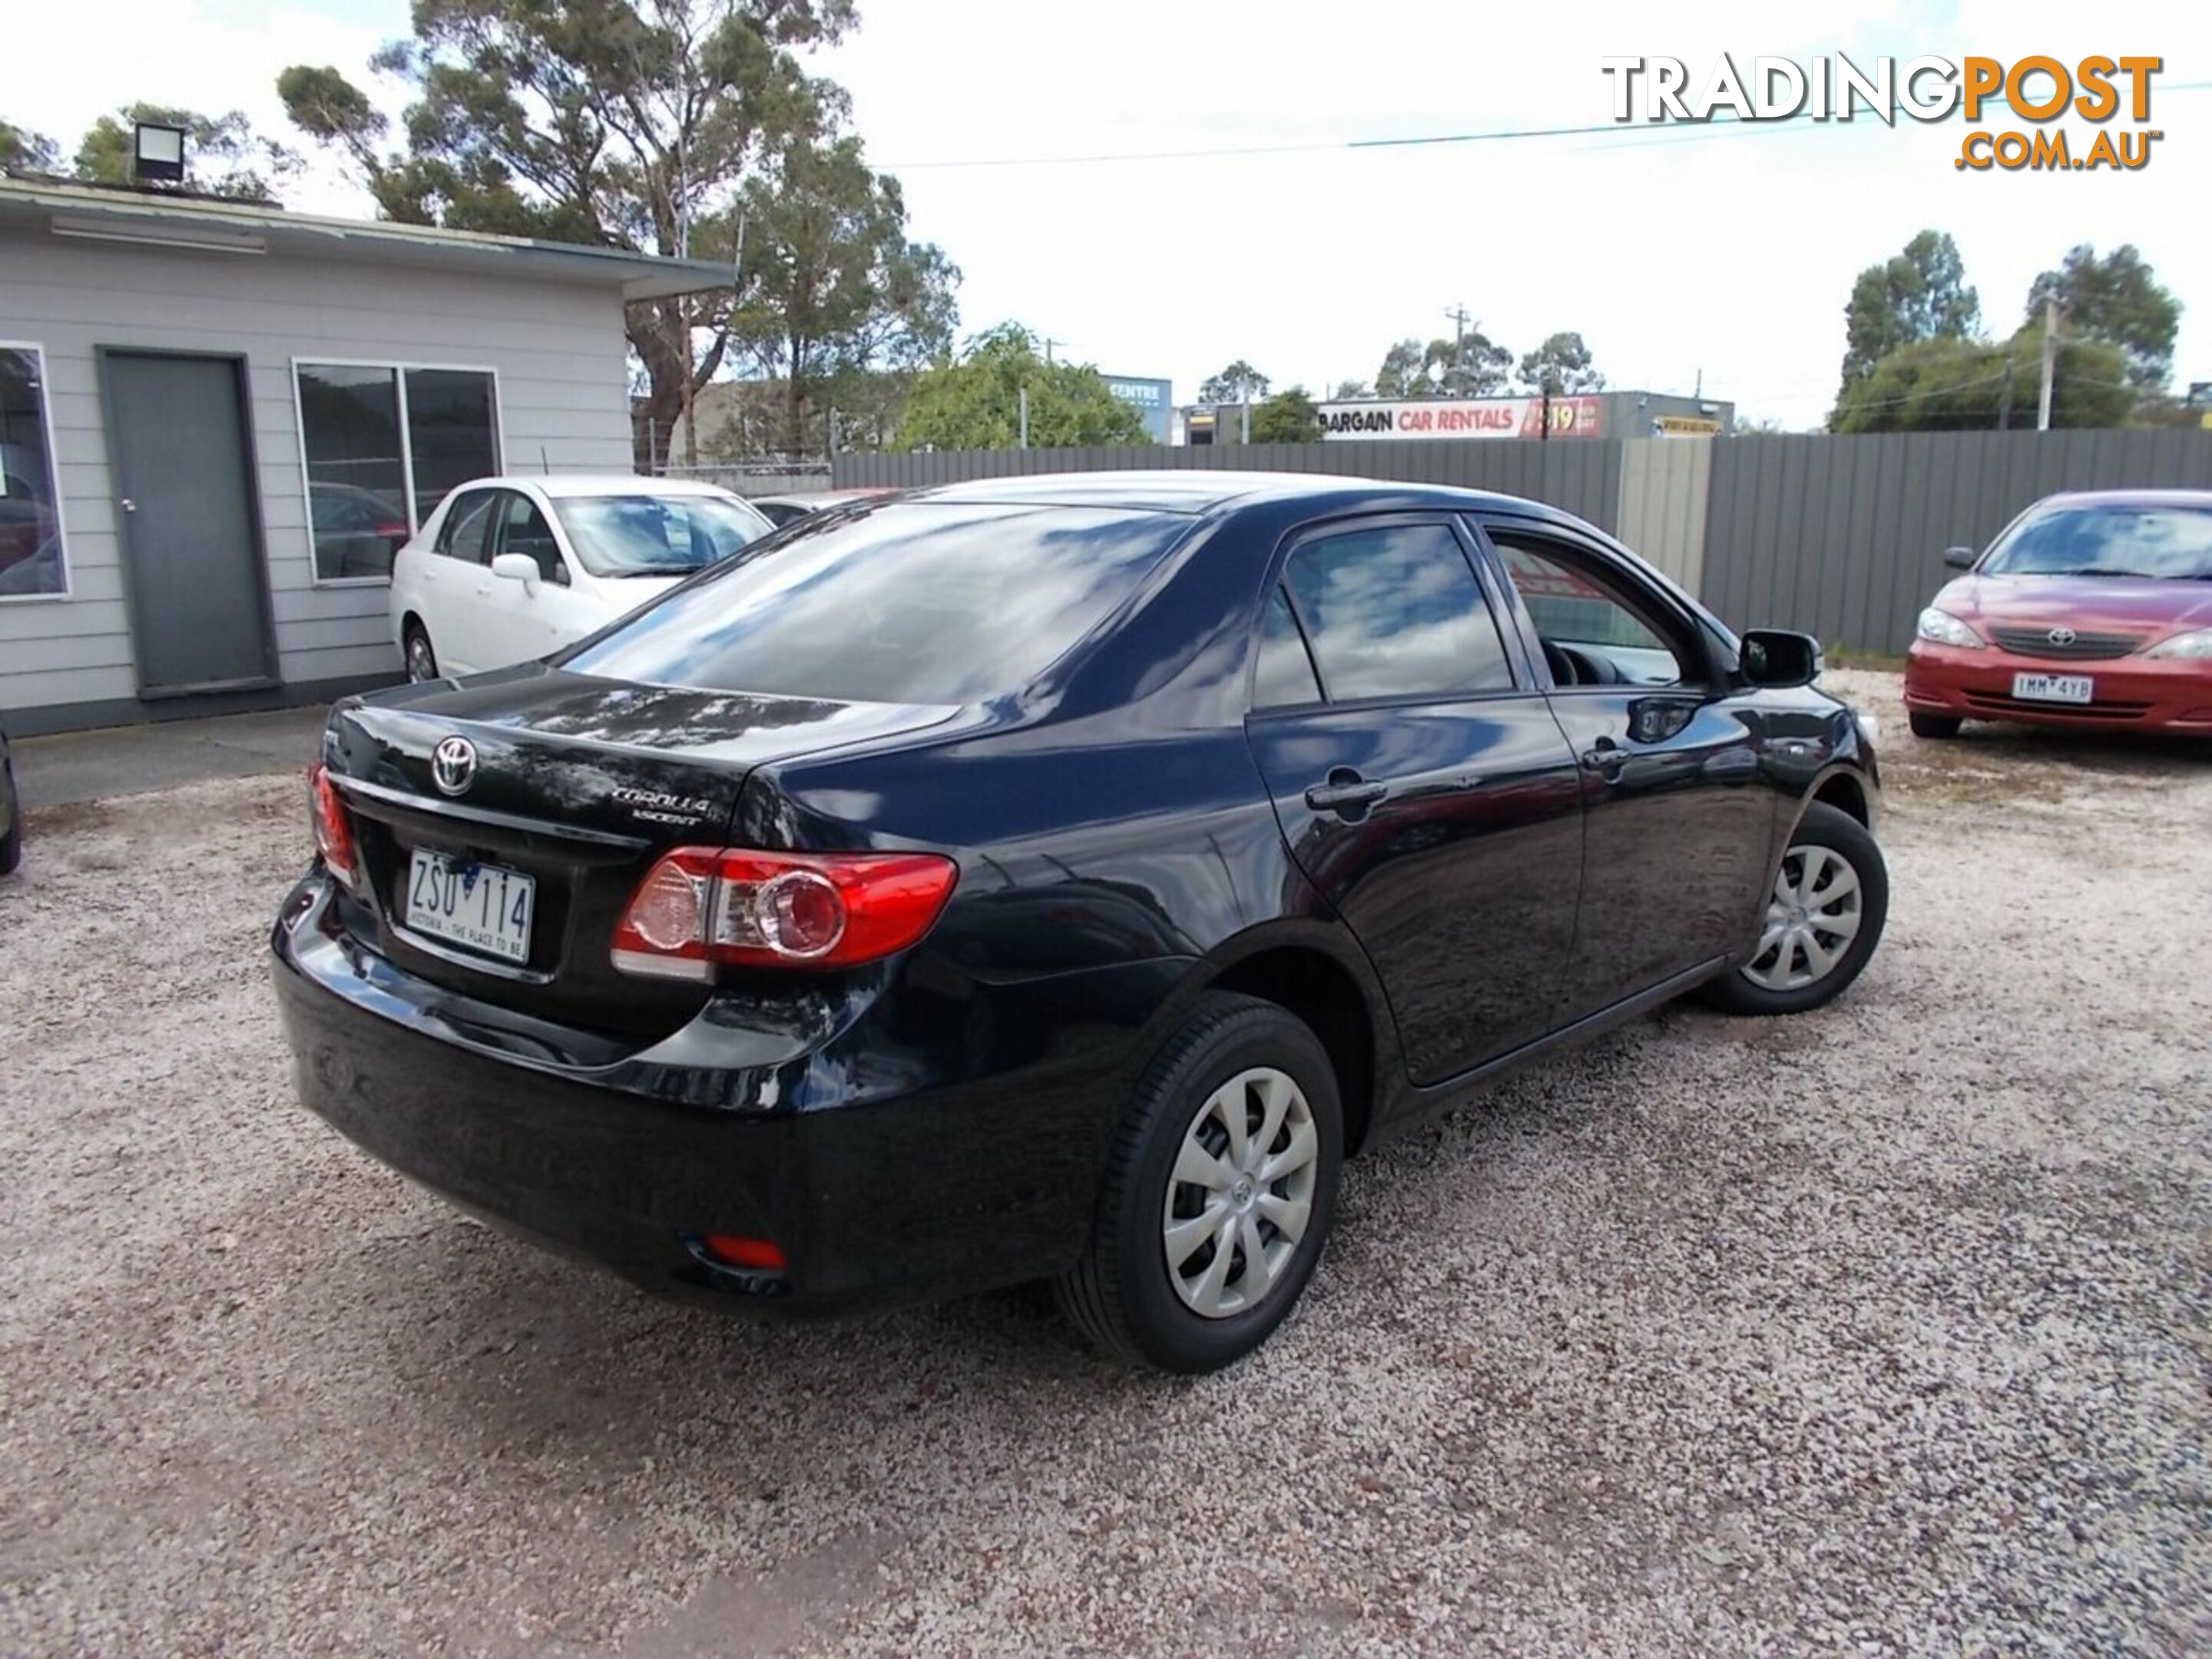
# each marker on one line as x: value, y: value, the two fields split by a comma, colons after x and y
x: 1881, y: 1330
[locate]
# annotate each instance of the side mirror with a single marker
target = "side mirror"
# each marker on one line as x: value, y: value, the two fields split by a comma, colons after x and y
x: 1779, y: 657
x: 517, y: 568
x: 1958, y: 558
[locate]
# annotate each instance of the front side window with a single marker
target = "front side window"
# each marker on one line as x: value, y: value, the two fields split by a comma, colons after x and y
x: 383, y: 445
x: 1591, y: 634
x: 2162, y: 542
x: 523, y: 530
x: 32, y: 561
x: 924, y: 602
x: 467, y: 534
x: 648, y: 535
x: 1396, y: 611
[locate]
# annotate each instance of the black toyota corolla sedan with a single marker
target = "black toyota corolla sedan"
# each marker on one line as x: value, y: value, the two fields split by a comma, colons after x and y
x: 1054, y: 878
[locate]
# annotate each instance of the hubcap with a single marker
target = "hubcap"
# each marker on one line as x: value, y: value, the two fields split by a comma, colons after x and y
x: 419, y: 665
x: 1241, y: 1193
x: 1811, y: 920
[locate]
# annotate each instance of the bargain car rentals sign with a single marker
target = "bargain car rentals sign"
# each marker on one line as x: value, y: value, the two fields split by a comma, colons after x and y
x: 1461, y: 418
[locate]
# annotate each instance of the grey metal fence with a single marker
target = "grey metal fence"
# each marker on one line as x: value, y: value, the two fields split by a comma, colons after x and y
x: 1843, y: 538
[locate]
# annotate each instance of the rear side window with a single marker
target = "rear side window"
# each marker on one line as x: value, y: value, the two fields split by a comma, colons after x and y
x: 1396, y: 611
x: 466, y: 527
x: 920, y: 602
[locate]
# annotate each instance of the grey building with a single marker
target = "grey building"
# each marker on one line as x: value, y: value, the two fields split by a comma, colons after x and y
x: 218, y: 421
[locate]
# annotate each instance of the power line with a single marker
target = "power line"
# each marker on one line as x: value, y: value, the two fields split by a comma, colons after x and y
x: 1627, y: 132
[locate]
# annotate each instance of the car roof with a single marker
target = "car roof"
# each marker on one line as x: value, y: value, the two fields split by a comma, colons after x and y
x: 2125, y: 500
x: 1200, y: 490
x: 565, y: 484
x: 826, y: 497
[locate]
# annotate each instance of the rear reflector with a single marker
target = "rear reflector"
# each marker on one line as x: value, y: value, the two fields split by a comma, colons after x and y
x: 698, y: 906
x: 334, y: 828
x: 756, y: 1254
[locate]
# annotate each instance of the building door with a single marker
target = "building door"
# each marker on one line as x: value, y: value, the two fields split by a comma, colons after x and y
x: 191, y: 532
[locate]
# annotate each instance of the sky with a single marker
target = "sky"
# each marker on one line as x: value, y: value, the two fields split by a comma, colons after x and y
x: 1682, y: 255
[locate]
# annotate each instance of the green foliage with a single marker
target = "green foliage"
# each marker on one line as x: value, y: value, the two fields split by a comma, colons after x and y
x: 974, y: 402
x: 1290, y: 416
x: 1473, y: 366
x: 1561, y: 366
x: 1351, y: 391
x: 29, y: 151
x: 1239, y: 383
x: 223, y: 155
x: 1953, y: 385
x: 1918, y: 296
x: 2116, y: 299
x: 645, y: 124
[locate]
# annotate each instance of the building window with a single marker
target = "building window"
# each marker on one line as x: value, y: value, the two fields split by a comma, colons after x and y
x: 33, y: 565
x: 382, y: 445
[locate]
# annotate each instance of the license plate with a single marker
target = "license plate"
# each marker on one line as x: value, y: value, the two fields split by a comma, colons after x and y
x: 2053, y: 688
x: 482, y: 906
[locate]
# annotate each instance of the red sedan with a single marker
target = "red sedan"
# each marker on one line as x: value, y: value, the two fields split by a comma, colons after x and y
x: 2090, y: 609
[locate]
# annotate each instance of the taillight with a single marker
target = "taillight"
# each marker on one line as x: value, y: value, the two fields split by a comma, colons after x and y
x: 333, y: 830
x: 697, y: 907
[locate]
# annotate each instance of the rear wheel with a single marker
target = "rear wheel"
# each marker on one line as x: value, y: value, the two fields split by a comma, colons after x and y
x: 1219, y: 1191
x: 1824, y: 918
x: 11, y: 844
x: 1932, y: 725
x: 422, y: 660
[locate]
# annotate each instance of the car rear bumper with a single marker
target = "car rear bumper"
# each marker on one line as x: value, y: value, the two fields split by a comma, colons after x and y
x: 880, y: 1179
x: 2136, y: 693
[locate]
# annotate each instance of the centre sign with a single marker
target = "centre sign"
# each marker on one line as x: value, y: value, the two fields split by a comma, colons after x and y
x: 1462, y: 417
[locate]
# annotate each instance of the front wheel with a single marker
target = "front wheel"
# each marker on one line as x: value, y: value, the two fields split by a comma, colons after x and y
x: 1824, y: 918
x: 1218, y: 1193
x: 422, y: 660
x: 11, y: 844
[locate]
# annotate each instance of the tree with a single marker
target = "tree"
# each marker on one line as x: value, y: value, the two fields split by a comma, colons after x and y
x: 2116, y: 299
x: 830, y: 290
x: 1561, y: 366
x: 1291, y: 416
x: 1471, y: 365
x: 24, y: 151
x: 974, y: 401
x: 1919, y: 294
x: 1952, y: 386
x: 616, y: 122
x: 223, y: 154
x: 1349, y: 391
x: 1239, y: 383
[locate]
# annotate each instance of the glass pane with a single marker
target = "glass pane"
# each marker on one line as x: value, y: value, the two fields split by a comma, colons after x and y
x: 920, y: 602
x: 648, y: 535
x: 1285, y: 673
x: 1606, y: 641
x: 452, y: 427
x: 524, y: 530
x: 1395, y: 613
x: 356, y: 487
x: 30, y: 514
x: 2173, y: 543
x: 465, y: 528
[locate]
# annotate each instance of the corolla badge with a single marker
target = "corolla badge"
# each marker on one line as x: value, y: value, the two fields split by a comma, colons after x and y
x: 2062, y: 636
x: 453, y: 764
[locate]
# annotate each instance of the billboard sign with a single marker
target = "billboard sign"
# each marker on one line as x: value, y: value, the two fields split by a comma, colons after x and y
x: 1153, y: 399
x: 1462, y: 417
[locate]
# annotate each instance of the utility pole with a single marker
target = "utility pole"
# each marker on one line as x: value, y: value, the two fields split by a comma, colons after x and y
x: 2050, y: 361
x: 1458, y: 314
x: 1025, y: 416
x: 1050, y: 342
x: 1544, y: 432
x: 1244, y: 420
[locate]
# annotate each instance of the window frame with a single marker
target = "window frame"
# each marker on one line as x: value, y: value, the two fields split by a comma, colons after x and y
x: 400, y: 369
x: 449, y: 513
x: 1679, y: 626
x: 68, y: 590
x: 1512, y: 646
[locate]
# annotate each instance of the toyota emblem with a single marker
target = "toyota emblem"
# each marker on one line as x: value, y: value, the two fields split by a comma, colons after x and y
x: 2061, y: 636
x: 453, y: 764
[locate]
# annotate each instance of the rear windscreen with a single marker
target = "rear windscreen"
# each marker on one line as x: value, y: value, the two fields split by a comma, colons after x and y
x: 920, y: 602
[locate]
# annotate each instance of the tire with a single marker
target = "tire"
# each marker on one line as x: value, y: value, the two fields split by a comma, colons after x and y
x: 11, y: 844
x: 422, y: 660
x: 1932, y: 725
x: 1770, y: 982
x: 1232, y: 1053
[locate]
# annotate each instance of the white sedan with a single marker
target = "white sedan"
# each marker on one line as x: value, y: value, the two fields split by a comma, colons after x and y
x: 507, y: 570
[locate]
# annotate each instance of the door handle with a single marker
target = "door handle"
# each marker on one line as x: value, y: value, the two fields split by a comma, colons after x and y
x: 1604, y: 754
x: 1346, y: 791
x: 129, y: 506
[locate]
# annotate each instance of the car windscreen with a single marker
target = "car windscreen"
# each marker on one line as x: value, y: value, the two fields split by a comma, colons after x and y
x: 924, y: 602
x: 2170, y: 542
x: 648, y: 535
